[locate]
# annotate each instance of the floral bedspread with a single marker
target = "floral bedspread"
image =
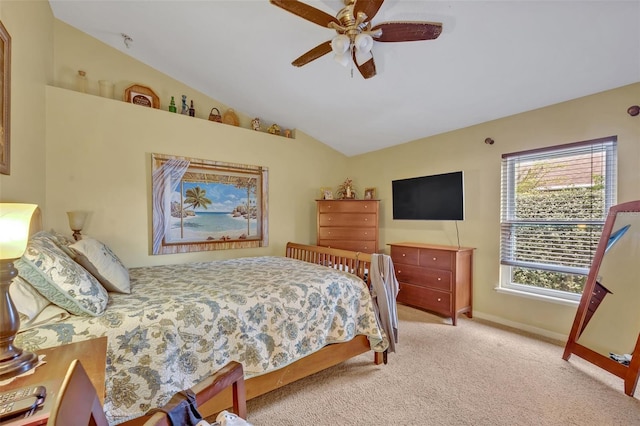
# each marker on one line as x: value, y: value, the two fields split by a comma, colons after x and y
x: 181, y: 322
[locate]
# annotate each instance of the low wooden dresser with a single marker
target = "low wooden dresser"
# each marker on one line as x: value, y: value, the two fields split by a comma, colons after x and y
x: 434, y: 277
x: 348, y: 224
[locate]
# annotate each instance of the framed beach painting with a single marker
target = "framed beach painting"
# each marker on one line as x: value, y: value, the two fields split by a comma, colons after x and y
x: 203, y: 205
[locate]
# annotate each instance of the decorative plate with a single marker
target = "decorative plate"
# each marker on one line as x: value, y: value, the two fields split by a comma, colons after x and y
x: 141, y: 95
x: 230, y: 117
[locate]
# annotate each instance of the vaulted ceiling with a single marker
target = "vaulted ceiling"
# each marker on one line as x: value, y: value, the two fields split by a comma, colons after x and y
x: 493, y: 59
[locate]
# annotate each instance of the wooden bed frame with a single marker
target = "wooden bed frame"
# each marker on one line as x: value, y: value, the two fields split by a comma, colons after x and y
x: 353, y: 262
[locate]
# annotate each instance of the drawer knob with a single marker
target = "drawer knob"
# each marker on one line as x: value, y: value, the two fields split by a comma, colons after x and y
x: 366, y: 220
x: 434, y: 259
x: 329, y: 219
x: 366, y: 233
x: 439, y: 299
x: 365, y: 206
x: 439, y: 279
x: 403, y: 255
x: 399, y: 271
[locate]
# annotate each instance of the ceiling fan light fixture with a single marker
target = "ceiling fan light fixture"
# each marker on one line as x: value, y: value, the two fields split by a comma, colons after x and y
x: 342, y: 59
x: 363, y: 43
x: 340, y: 44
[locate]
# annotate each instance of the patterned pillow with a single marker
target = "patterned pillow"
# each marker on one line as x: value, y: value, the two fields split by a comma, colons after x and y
x: 60, y: 279
x: 62, y: 241
x: 103, y: 264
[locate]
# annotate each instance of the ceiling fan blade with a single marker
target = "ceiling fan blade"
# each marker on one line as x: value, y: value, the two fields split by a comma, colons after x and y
x: 305, y: 11
x: 367, y: 69
x: 408, y: 31
x: 369, y: 7
x: 318, y: 51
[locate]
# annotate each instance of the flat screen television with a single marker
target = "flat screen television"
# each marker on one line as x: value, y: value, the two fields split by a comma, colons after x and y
x: 435, y: 197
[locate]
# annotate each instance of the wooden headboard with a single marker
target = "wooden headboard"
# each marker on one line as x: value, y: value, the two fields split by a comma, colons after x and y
x: 350, y: 261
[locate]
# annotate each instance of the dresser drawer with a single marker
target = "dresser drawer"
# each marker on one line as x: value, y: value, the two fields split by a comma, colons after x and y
x: 345, y: 233
x: 436, y: 259
x: 433, y: 300
x: 363, y: 246
x: 334, y: 219
x: 348, y: 206
x: 406, y: 255
x: 434, y: 278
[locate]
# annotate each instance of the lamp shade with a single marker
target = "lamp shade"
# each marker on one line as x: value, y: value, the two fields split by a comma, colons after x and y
x: 15, y: 219
x: 76, y: 220
x: 363, y: 43
x: 340, y: 44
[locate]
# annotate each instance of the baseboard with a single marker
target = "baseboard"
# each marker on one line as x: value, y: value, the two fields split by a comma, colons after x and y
x: 524, y: 327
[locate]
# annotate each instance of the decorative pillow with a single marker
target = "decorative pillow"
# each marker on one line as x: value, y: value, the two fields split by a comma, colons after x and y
x: 62, y: 241
x: 103, y: 264
x: 27, y: 300
x: 60, y: 279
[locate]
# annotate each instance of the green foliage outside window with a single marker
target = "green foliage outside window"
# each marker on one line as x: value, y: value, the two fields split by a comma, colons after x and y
x: 570, y: 245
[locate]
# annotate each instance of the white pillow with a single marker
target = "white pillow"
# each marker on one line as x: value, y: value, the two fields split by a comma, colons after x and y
x: 103, y: 264
x: 28, y: 301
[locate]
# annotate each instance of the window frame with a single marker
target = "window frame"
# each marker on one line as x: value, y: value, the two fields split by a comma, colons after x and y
x: 510, y: 161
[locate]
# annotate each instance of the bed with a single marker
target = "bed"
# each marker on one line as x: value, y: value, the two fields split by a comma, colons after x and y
x: 283, y: 318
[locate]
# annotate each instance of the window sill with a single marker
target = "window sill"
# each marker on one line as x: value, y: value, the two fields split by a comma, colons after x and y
x: 539, y: 297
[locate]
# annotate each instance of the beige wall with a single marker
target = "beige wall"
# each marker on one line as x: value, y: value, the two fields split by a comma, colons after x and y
x: 30, y: 25
x: 586, y: 118
x: 78, y: 151
x: 98, y: 159
x: 97, y: 151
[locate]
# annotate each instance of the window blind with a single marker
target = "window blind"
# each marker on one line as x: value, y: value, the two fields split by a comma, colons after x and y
x: 554, y: 204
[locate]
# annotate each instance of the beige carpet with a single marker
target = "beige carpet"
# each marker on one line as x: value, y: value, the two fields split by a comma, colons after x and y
x: 473, y: 374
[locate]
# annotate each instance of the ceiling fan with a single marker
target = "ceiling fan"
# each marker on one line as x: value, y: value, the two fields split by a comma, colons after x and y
x: 355, y: 32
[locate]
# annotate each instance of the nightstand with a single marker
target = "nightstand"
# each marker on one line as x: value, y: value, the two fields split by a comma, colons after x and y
x: 93, y: 355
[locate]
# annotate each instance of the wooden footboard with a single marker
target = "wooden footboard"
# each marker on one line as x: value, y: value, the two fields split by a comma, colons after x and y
x: 330, y: 355
x: 350, y: 261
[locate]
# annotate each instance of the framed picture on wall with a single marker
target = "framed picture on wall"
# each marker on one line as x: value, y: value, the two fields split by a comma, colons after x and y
x: 5, y: 105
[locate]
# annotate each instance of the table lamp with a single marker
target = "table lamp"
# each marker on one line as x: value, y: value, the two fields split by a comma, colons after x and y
x: 15, y: 220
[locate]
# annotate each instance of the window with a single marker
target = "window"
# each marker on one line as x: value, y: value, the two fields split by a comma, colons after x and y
x: 553, y: 208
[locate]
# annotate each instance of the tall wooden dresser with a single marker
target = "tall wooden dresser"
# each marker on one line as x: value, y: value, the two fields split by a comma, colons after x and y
x: 348, y: 224
x: 435, y: 278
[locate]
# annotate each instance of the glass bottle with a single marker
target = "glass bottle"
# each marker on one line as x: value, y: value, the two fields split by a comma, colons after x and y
x: 172, y: 105
x: 81, y: 81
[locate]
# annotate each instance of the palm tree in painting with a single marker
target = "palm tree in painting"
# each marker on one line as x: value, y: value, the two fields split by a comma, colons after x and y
x: 197, y: 197
x: 194, y: 197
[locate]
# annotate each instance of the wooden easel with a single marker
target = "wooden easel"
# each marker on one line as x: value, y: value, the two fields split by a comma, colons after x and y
x: 592, y: 296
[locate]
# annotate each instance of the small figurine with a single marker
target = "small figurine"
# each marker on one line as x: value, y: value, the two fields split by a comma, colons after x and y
x: 192, y: 110
x: 274, y: 129
x: 172, y: 105
x: 185, y: 109
x: 287, y: 133
x: 255, y: 124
